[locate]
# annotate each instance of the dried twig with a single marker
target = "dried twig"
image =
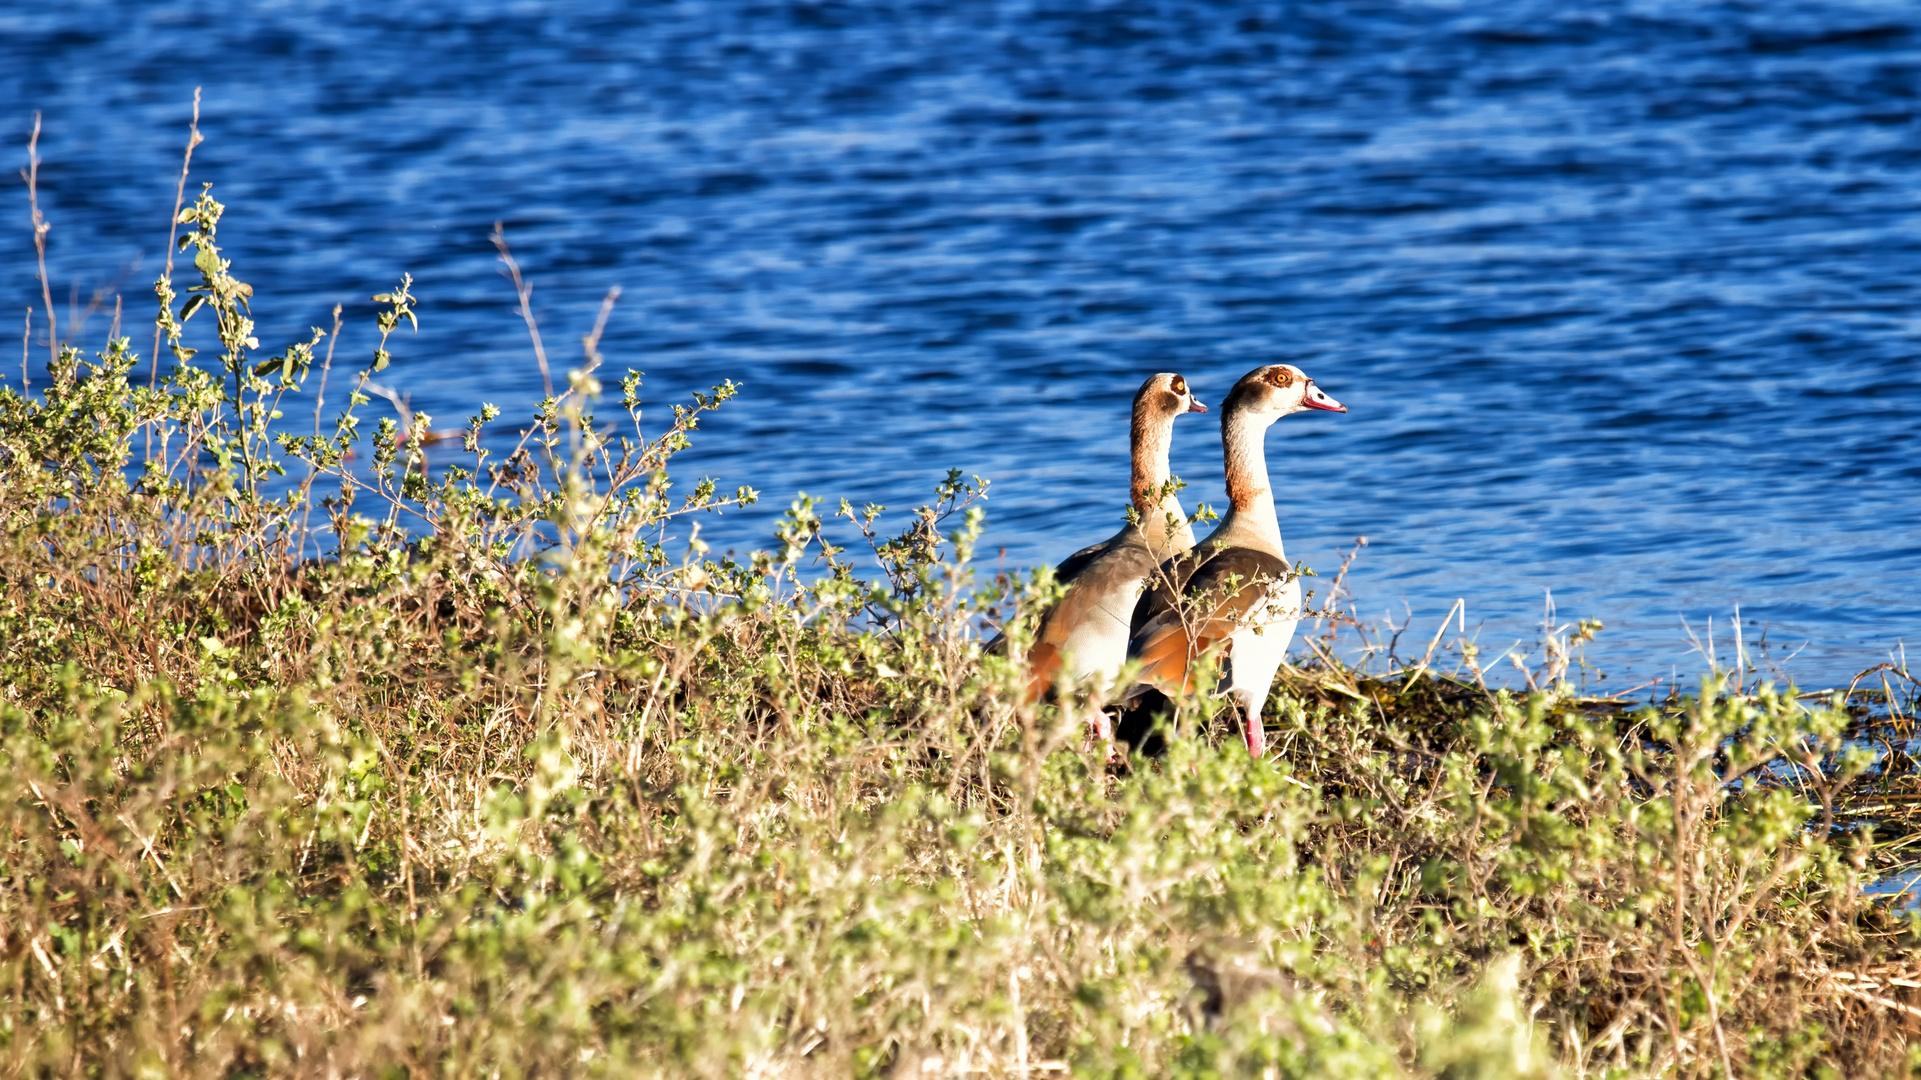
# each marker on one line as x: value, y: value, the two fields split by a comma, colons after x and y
x: 524, y: 293
x: 40, y: 229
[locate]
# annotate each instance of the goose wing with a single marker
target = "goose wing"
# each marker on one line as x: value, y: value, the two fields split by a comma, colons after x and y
x: 1094, y: 610
x: 1065, y: 573
x: 1076, y: 564
x: 1220, y: 594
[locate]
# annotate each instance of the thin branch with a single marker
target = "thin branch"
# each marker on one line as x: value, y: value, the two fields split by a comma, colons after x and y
x: 524, y: 293
x: 173, y: 228
x: 40, y: 229
x: 591, y: 343
x: 313, y: 468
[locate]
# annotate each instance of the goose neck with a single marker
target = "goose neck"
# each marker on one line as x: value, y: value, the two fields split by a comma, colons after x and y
x: 1152, y: 438
x: 1249, y: 494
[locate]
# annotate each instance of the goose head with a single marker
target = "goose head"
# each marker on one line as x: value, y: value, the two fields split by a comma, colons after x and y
x: 1276, y: 390
x: 1165, y: 396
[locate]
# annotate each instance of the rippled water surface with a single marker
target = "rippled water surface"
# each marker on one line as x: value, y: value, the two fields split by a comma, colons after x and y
x: 1623, y: 299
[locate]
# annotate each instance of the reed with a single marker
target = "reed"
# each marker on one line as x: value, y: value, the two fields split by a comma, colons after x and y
x: 339, y: 752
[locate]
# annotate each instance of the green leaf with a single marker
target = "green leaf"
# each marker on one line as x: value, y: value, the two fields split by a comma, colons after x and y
x: 192, y: 305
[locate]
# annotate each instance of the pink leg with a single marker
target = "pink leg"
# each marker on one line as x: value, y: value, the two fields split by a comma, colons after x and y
x: 1252, y: 732
x: 1101, y: 727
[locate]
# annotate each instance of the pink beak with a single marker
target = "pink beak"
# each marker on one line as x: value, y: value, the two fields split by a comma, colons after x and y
x: 1315, y: 399
x: 1194, y: 405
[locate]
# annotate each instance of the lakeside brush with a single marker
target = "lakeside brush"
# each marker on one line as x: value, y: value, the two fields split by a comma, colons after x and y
x: 339, y: 752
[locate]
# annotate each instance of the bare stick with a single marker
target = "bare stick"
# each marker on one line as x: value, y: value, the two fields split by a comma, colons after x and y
x: 402, y: 405
x: 26, y: 343
x: 320, y: 398
x: 78, y: 317
x: 40, y: 227
x: 1427, y: 657
x: 591, y: 343
x: 320, y: 395
x: 525, y: 293
x: 173, y: 227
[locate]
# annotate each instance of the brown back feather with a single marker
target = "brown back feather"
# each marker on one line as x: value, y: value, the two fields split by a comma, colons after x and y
x: 1090, y: 577
x: 1221, y: 588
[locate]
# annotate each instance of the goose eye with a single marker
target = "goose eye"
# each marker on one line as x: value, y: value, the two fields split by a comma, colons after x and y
x: 1281, y: 377
x: 1179, y: 384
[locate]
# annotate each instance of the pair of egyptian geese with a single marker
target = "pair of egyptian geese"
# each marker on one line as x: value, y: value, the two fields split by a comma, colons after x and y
x: 1152, y: 595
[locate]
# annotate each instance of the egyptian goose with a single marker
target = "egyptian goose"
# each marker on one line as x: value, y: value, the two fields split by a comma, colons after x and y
x: 1084, y: 636
x: 1237, y: 592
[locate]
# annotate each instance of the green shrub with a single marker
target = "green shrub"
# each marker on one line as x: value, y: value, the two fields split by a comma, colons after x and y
x: 476, y: 771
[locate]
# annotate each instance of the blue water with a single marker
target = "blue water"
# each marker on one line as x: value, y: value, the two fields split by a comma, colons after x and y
x: 1623, y: 299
